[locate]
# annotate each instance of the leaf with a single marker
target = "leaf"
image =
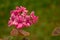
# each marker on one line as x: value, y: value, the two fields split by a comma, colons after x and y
x: 24, y: 33
x: 14, y: 32
x: 56, y: 31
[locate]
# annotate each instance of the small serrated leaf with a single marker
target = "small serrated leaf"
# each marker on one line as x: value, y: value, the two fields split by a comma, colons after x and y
x: 14, y: 32
x: 24, y: 33
x: 56, y: 31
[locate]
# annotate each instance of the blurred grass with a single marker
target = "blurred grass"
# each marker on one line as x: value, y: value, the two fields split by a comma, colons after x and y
x: 47, y: 10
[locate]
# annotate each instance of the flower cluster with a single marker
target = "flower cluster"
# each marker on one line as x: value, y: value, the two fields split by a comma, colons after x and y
x: 19, y: 18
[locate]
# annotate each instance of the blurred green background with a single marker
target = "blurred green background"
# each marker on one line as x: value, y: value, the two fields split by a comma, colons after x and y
x: 47, y: 10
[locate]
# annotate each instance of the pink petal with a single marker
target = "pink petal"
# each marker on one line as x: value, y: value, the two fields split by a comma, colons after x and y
x: 28, y: 24
x: 20, y: 25
x: 34, y: 18
x: 32, y: 14
x: 9, y: 23
x: 23, y: 14
x: 15, y: 23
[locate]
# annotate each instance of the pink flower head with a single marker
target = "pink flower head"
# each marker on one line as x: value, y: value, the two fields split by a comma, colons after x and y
x: 20, y: 18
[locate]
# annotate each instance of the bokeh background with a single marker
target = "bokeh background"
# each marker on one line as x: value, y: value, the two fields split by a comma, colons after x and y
x: 47, y: 10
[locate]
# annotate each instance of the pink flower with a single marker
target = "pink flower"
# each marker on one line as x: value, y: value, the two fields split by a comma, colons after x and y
x: 20, y: 18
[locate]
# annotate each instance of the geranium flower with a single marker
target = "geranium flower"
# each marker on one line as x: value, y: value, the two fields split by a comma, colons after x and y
x: 20, y: 18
